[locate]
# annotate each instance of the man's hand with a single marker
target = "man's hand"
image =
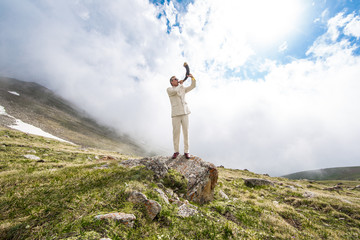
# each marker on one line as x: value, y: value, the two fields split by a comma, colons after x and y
x: 181, y: 81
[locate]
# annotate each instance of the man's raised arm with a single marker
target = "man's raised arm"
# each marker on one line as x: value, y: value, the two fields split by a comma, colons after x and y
x: 193, y: 84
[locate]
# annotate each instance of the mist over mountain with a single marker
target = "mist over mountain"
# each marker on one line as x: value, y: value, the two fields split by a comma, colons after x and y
x: 40, y: 107
x: 340, y: 173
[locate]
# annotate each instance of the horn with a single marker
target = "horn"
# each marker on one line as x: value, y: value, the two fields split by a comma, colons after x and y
x: 187, y: 70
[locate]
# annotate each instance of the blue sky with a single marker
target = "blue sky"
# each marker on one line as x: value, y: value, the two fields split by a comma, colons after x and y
x: 277, y: 81
x: 311, y: 24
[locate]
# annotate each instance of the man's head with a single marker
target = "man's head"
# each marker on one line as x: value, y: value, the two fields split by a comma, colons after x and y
x: 174, y: 81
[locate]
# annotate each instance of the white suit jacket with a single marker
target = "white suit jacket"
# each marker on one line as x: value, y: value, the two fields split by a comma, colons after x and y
x: 177, y: 98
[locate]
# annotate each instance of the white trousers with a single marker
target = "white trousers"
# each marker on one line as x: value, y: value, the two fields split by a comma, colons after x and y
x: 178, y: 122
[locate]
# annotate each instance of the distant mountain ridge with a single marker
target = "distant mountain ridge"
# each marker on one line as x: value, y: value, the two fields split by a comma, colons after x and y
x: 42, y: 108
x: 340, y: 173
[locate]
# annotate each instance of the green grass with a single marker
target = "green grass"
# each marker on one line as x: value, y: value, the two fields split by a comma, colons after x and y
x: 59, y: 196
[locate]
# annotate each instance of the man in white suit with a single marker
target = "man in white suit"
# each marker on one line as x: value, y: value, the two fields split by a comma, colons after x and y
x: 180, y: 112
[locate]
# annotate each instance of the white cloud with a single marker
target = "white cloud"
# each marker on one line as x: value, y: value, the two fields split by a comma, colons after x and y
x: 337, y: 22
x: 353, y: 28
x: 325, y: 15
x: 283, y: 46
x: 115, y: 59
x: 171, y: 13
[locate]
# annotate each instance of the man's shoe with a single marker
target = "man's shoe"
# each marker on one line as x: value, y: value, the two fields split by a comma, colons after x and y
x: 187, y: 155
x: 175, y: 155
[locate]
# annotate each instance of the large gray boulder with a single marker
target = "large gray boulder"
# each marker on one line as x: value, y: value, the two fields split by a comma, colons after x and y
x: 201, y: 176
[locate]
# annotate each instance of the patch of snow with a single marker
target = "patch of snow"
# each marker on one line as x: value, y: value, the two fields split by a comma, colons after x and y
x: 3, y: 112
x: 15, y: 93
x: 28, y: 128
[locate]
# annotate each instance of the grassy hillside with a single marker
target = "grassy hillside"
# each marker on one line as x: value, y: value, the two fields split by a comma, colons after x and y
x: 58, y: 196
x: 42, y: 108
x: 342, y: 173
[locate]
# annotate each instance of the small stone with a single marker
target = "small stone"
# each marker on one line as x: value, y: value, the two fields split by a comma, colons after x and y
x: 162, y: 195
x: 346, y: 201
x: 32, y: 157
x: 127, y: 219
x: 335, y: 188
x: 176, y: 202
x: 223, y: 195
x: 102, y: 167
x: 170, y: 192
x: 107, y: 158
x: 252, y: 182
x: 31, y: 151
x: 187, y: 210
x: 291, y: 187
x: 152, y: 208
x: 137, y: 197
x: 309, y: 194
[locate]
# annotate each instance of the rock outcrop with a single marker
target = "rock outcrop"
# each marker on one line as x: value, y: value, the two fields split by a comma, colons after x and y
x: 201, y: 176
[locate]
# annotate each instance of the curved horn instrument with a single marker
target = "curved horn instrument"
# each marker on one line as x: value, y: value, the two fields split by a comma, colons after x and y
x: 187, y: 71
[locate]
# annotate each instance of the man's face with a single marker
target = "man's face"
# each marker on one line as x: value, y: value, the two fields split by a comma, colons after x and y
x: 174, y: 82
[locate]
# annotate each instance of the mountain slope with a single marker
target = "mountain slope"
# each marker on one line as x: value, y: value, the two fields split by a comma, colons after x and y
x: 341, y: 173
x: 40, y: 107
x: 58, y: 197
